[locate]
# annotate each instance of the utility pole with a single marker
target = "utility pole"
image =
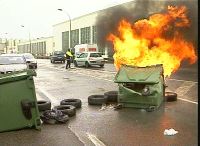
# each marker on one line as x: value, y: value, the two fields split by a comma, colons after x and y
x: 30, y: 51
x: 6, y: 43
x: 70, y: 41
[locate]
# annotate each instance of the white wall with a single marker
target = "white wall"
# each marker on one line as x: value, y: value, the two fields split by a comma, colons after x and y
x: 77, y: 23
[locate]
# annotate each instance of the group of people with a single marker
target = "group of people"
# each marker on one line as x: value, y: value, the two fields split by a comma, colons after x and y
x: 69, y: 57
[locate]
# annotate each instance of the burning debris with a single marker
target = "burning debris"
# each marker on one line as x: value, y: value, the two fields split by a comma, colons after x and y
x: 156, y: 40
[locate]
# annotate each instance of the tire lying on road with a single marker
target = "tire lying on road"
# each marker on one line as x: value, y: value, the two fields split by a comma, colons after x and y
x: 44, y: 105
x: 170, y: 96
x: 97, y: 100
x: 75, y: 102
x: 69, y: 110
x: 111, y: 96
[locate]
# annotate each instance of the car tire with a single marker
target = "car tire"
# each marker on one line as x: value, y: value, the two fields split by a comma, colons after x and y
x: 170, y: 96
x: 102, y: 65
x: 75, y: 64
x: 96, y: 100
x: 69, y: 110
x: 75, y: 102
x: 87, y: 64
x: 43, y: 105
x: 112, y: 96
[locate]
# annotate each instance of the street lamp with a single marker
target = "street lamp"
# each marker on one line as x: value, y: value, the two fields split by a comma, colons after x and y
x: 29, y: 38
x: 69, y: 26
x: 6, y: 43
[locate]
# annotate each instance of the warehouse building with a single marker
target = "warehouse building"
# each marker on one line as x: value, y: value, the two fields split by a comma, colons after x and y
x: 83, y: 31
x: 40, y: 47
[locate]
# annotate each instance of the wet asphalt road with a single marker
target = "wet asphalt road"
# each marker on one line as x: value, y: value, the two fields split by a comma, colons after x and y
x: 125, y: 127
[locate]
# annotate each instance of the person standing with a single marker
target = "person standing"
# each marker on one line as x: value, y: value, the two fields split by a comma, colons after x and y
x: 68, y: 58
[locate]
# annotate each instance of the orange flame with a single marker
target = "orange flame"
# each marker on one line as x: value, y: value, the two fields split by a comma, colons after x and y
x: 157, y: 40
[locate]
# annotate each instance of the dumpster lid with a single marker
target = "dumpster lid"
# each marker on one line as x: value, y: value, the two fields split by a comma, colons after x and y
x: 15, y: 76
x: 148, y: 74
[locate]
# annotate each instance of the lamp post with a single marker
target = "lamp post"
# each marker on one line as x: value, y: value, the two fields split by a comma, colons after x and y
x: 69, y: 26
x: 6, y: 43
x: 29, y: 38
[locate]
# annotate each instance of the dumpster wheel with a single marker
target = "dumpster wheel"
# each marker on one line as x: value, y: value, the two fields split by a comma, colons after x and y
x: 151, y: 108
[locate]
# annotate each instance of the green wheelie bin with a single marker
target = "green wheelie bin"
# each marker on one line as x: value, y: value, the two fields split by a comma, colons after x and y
x: 18, y: 104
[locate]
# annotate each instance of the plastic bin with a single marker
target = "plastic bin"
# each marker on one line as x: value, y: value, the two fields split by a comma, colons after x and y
x: 18, y: 104
x: 140, y: 87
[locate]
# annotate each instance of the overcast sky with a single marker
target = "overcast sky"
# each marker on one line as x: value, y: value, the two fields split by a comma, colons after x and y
x: 38, y: 16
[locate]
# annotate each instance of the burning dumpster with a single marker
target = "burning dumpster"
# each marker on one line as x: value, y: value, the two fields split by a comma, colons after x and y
x: 18, y: 105
x: 140, y: 87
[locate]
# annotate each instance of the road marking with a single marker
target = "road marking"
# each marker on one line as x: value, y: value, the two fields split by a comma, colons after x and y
x: 188, y: 100
x: 95, y: 140
x: 183, y: 80
x: 184, y: 88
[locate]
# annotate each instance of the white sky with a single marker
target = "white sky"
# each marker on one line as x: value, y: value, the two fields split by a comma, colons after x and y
x: 38, y: 16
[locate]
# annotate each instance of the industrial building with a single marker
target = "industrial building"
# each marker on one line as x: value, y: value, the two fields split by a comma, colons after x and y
x: 39, y: 47
x: 9, y: 45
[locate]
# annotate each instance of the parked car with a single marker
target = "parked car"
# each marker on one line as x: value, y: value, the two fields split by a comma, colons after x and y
x: 58, y: 56
x: 88, y: 59
x: 30, y: 60
x: 12, y: 62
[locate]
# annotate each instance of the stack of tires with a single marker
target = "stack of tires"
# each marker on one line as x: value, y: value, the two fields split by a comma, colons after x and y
x: 60, y: 113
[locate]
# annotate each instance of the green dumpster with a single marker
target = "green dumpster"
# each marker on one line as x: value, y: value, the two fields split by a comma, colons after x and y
x: 18, y: 104
x: 140, y: 87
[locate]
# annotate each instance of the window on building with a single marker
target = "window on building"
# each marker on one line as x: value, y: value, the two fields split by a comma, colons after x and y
x: 45, y: 51
x: 85, y: 35
x: 94, y: 34
x: 75, y: 37
x: 65, y: 41
x: 14, y: 43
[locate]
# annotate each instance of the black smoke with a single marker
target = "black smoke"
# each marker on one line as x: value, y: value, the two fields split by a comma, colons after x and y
x: 108, y: 19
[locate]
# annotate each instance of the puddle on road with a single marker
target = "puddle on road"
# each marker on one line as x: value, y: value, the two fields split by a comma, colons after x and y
x: 68, y: 79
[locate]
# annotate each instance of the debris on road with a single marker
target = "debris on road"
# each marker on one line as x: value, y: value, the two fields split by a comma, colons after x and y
x: 105, y: 107
x: 170, y: 132
x: 54, y: 117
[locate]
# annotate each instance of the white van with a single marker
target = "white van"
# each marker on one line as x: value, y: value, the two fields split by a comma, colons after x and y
x: 85, y: 48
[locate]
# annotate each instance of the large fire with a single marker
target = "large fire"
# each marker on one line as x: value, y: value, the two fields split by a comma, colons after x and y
x: 157, y: 40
